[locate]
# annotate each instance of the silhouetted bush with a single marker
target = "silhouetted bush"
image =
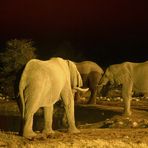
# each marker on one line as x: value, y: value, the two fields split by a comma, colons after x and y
x: 12, y: 60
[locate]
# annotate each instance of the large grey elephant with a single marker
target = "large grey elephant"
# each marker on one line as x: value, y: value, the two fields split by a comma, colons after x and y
x: 132, y: 77
x: 42, y: 84
x: 91, y: 74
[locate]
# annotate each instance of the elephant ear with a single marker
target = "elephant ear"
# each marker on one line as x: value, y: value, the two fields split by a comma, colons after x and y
x: 120, y: 73
x: 75, y: 76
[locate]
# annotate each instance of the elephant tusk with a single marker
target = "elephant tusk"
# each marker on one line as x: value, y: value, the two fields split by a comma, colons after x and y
x: 81, y: 89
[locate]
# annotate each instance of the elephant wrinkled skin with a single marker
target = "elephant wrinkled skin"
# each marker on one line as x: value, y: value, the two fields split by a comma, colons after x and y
x: 42, y: 84
x: 132, y: 77
x: 91, y: 74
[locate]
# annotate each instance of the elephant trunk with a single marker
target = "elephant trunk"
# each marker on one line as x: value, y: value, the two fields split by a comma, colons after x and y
x: 103, y: 81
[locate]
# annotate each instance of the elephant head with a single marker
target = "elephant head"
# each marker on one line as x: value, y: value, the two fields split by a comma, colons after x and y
x: 91, y: 74
x: 115, y: 74
x: 75, y: 77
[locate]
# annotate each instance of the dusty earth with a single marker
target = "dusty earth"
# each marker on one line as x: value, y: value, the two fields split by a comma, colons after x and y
x: 101, y: 125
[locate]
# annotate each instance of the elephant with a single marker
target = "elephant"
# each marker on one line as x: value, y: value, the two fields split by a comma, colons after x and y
x: 91, y: 74
x: 42, y: 84
x: 133, y: 77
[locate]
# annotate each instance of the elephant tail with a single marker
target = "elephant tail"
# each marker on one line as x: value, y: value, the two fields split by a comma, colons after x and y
x: 22, y: 99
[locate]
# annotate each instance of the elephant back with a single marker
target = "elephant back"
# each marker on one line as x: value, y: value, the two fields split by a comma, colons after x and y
x: 86, y: 67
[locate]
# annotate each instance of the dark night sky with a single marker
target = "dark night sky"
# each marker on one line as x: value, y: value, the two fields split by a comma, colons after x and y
x: 106, y: 31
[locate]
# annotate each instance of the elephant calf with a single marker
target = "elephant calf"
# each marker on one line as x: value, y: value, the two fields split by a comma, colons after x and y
x: 132, y: 77
x: 91, y: 74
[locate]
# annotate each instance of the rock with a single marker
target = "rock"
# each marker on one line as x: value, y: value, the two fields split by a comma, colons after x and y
x: 135, y: 99
x: 121, y: 100
x: 108, y: 99
x: 118, y: 98
x: 2, y: 98
x: 126, y: 137
x: 128, y: 119
x: 120, y: 123
x: 134, y: 124
x: 7, y: 97
x: 143, y: 123
x: 108, y: 123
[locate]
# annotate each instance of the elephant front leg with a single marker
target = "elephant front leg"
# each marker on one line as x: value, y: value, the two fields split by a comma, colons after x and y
x: 68, y: 100
x: 126, y: 94
x: 48, y: 115
x: 92, y: 99
x: 127, y: 108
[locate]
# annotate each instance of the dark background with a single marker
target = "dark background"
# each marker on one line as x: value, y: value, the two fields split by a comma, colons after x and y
x: 105, y: 31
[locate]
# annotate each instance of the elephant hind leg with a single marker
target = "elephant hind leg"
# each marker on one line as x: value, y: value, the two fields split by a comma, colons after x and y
x: 68, y: 100
x: 28, y: 121
x: 48, y: 113
x: 27, y: 130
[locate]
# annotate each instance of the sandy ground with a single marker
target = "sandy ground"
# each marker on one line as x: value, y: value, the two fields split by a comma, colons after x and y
x: 100, y: 125
x: 86, y: 138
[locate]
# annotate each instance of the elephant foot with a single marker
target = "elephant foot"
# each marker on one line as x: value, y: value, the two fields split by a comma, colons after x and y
x: 92, y: 102
x: 48, y: 132
x: 29, y: 135
x: 129, y: 113
x: 73, y: 130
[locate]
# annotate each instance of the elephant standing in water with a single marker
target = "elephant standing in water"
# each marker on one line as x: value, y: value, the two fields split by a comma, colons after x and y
x: 91, y: 74
x: 132, y: 77
x: 42, y: 84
